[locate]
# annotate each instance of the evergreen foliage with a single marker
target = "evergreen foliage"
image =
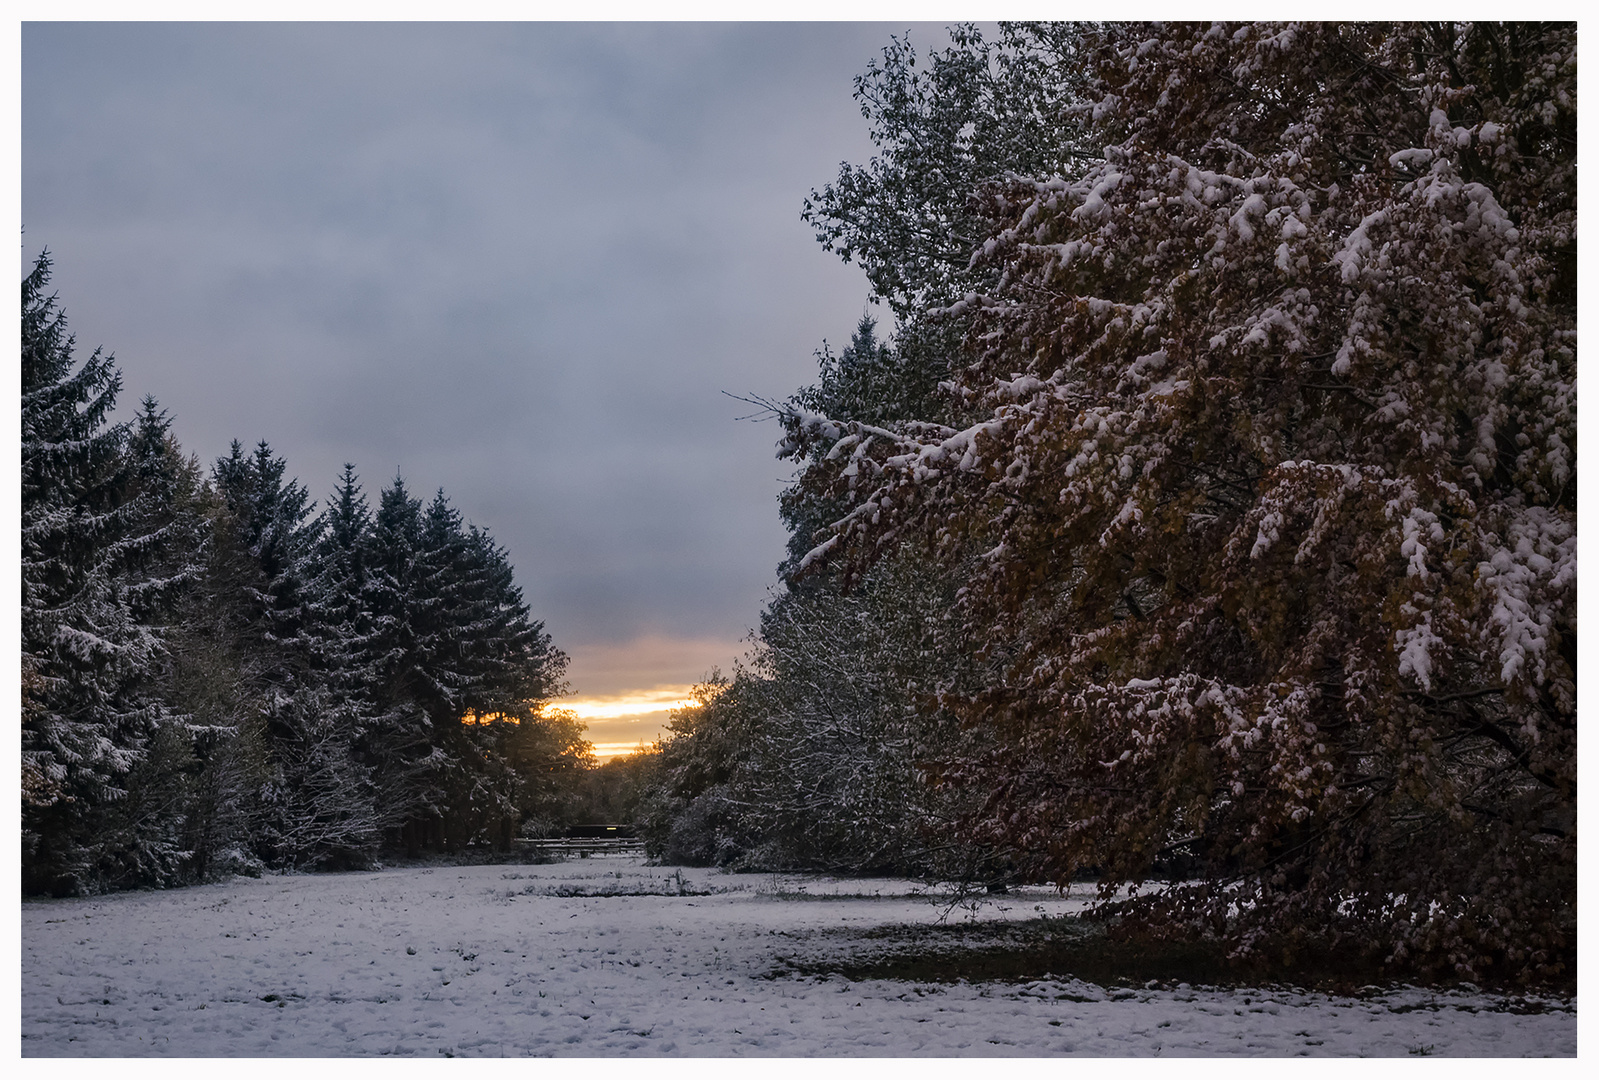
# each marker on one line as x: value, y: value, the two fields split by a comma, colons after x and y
x: 218, y: 679
x: 87, y: 645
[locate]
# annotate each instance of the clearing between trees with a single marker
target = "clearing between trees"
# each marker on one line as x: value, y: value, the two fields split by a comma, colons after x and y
x: 612, y: 956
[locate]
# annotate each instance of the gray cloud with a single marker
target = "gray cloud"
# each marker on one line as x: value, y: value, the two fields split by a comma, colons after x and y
x: 520, y: 262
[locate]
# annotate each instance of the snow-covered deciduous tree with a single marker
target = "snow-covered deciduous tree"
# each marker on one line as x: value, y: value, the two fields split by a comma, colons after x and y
x: 319, y: 807
x: 975, y: 111
x: 844, y: 686
x: 810, y: 755
x: 1273, y: 490
x: 694, y: 812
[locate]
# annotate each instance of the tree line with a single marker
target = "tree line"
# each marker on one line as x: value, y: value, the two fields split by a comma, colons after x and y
x: 217, y: 677
x: 1207, y: 523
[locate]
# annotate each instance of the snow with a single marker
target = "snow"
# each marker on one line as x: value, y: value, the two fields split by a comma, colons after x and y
x: 610, y: 956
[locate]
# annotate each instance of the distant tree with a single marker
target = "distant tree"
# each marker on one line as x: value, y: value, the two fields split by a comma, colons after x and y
x: 610, y: 792
x: 1273, y: 501
x: 456, y: 673
x: 552, y: 759
x: 693, y: 813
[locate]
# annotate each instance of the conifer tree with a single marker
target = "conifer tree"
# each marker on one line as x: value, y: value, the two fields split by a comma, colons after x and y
x: 165, y: 490
x: 163, y: 831
x: 273, y: 535
x: 86, y: 538
x: 319, y: 804
x: 215, y: 676
x: 334, y: 612
x: 400, y: 743
x: 450, y: 610
x: 214, y: 679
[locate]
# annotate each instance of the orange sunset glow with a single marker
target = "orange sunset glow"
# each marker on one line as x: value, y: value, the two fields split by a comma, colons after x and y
x: 637, y: 703
x: 619, y: 724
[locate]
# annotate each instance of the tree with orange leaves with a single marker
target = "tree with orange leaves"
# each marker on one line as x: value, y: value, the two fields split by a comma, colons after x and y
x: 1272, y: 492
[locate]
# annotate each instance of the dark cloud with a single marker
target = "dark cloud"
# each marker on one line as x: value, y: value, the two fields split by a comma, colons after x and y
x: 520, y: 262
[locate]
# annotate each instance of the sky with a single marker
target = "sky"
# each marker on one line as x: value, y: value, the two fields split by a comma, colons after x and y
x: 525, y: 263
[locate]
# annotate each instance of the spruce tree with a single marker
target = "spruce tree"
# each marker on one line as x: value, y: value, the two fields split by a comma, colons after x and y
x: 320, y: 805
x: 274, y: 535
x: 163, y: 832
x: 86, y: 652
x: 334, y: 612
x: 214, y: 679
x: 398, y: 743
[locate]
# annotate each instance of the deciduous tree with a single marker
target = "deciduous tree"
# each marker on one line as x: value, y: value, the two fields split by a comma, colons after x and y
x: 1273, y: 490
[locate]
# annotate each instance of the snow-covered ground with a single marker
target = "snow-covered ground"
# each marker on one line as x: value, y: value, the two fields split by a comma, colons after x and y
x: 610, y: 956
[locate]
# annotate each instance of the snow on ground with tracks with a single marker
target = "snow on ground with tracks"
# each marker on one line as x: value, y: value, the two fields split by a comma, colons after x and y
x: 606, y: 956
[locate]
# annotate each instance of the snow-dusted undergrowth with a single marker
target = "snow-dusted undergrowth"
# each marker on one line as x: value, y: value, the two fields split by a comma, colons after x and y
x: 609, y: 956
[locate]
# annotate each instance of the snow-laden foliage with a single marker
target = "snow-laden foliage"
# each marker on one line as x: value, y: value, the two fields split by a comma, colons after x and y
x: 93, y: 534
x: 216, y: 678
x: 319, y: 806
x: 977, y: 110
x: 811, y: 754
x: 944, y: 122
x: 1273, y: 488
x: 453, y: 668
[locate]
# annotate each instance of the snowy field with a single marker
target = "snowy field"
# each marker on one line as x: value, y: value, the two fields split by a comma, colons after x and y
x: 610, y: 957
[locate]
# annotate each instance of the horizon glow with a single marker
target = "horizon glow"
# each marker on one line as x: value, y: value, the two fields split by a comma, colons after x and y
x: 633, y: 703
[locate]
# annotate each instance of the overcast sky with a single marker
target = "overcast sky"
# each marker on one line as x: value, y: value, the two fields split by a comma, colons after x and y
x: 518, y: 262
